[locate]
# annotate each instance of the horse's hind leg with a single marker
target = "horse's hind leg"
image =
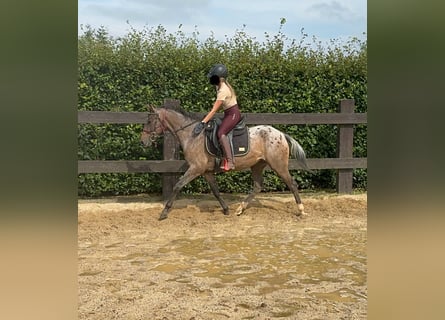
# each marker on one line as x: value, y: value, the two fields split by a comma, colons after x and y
x: 257, y: 177
x: 283, y: 173
x: 210, y: 178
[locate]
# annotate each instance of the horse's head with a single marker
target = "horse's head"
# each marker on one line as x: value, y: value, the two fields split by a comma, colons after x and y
x: 152, y: 129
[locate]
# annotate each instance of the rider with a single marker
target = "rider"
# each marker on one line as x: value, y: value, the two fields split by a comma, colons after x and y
x: 225, y: 97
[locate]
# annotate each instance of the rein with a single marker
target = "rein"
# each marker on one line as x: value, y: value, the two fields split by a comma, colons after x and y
x: 188, y: 125
x: 164, y: 127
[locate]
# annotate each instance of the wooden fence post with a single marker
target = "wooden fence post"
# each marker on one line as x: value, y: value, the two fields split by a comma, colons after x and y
x: 171, y: 152
x: 345, y: 138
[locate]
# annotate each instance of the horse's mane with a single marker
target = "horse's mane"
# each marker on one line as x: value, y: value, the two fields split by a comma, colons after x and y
x: 185, y: 113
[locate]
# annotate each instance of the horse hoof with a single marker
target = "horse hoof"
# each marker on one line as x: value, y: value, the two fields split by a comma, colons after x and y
x: 301, y: 210
x: 301, y: 214
x: 226, y: 212
x: 162, y: 217
x: 241, y: 208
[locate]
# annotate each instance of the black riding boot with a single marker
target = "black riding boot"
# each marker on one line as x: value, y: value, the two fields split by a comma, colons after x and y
x: 228, y: 162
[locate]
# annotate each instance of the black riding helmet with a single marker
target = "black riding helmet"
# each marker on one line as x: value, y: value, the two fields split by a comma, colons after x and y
x: 216, y: 72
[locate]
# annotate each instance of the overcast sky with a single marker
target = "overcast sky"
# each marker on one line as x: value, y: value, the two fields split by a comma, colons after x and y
x: 324, y: 19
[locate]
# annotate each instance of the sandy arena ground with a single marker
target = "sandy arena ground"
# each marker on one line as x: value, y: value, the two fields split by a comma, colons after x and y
x: 200, y: 264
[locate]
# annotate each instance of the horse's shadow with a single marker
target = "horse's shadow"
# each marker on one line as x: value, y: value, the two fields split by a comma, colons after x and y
x: 203, y: 201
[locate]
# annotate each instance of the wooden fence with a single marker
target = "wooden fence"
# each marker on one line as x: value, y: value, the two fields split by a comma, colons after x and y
x: 172, y: 166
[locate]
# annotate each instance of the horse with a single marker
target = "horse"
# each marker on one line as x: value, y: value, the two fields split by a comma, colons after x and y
x: 268, y: 147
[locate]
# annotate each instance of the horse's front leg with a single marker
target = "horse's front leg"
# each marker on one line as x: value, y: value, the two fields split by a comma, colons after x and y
x: 210, y: 178
x: 188, y: 176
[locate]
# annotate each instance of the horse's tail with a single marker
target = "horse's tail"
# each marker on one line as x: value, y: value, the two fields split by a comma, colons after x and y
x: 297, y: 151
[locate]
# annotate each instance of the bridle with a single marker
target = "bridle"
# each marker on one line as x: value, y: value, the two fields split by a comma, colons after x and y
x: 153, y: 135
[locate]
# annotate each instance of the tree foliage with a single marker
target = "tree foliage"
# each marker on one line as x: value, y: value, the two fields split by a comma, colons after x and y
x: 277, y: 75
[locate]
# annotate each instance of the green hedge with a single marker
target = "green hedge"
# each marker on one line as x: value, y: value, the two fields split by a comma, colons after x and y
x: 277, y: 75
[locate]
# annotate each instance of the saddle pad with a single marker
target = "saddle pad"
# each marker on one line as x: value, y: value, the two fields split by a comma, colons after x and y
x: 239, y: 140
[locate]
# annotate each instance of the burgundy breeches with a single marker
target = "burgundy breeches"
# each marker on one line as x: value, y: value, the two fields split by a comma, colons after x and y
x: 231, y: 117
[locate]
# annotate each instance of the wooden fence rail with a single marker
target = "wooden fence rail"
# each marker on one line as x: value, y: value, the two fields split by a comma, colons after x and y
x: 171, y: 166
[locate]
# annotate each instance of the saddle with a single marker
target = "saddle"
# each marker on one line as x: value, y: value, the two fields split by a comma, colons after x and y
x: 238, y: 138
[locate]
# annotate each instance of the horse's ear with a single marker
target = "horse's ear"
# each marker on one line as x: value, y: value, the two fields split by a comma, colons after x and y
x: 151, y: 108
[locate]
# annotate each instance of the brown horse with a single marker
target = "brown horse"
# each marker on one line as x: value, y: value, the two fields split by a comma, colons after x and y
x: 268, y: 146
